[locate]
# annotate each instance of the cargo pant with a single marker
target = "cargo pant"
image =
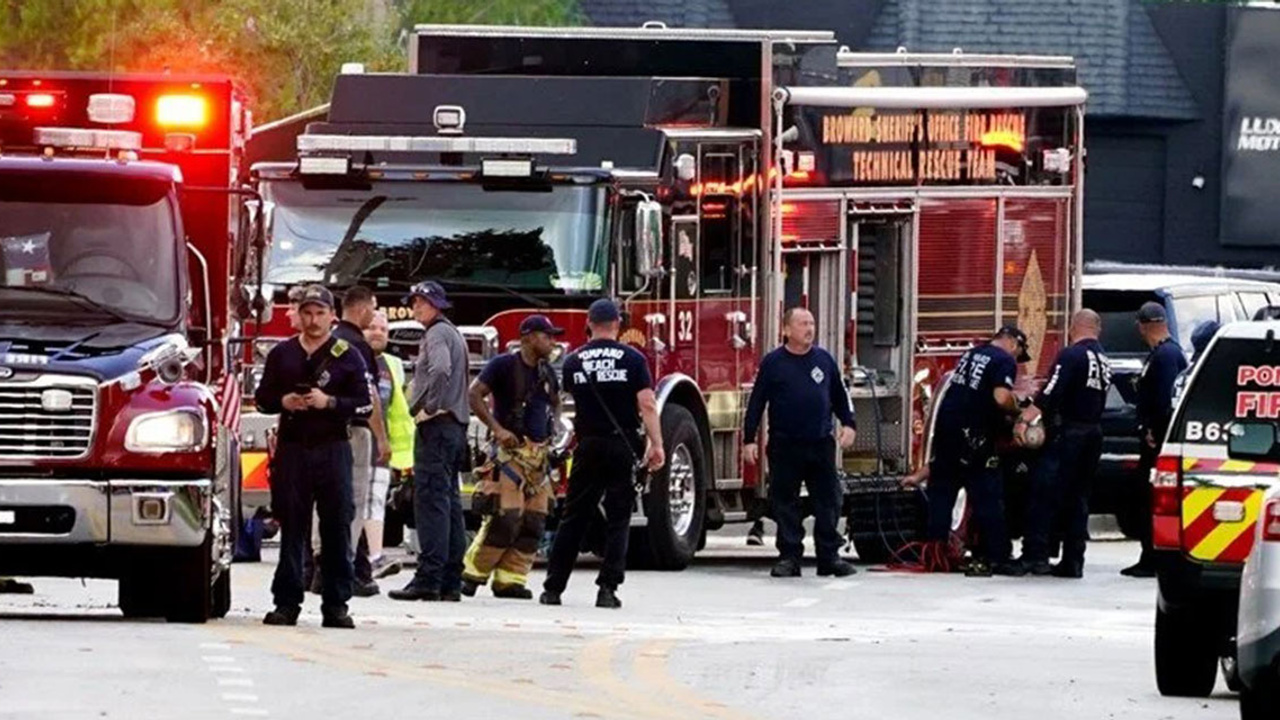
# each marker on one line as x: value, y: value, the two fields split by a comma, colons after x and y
x: 518, y: 493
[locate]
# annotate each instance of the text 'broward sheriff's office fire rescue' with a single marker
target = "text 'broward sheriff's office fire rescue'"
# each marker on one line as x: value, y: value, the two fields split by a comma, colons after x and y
x: 980, y: 130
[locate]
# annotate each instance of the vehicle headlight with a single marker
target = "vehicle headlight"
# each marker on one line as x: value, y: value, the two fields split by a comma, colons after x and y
x: 168, y: 431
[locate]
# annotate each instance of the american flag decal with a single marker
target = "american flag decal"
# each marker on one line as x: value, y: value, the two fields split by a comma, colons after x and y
x: 229, y: 404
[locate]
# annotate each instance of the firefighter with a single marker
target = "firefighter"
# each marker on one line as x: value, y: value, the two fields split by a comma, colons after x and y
x: 369, y: 445
x: 1155, y: 409
x: 612, y: 394
x: 317, y: 384
x: 517, y: 491
x: 975, y: 410
x: 1071, y: 403
x: 800, y: 383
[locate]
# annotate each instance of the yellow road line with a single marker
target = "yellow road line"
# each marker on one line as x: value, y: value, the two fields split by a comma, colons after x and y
x: 301, y: 645
x: 652, y: 669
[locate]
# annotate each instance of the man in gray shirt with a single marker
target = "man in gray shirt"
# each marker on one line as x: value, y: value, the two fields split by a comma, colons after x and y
x: 439, y: 407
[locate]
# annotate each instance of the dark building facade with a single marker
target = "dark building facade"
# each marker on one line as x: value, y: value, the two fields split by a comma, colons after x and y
x: 1157, y: 75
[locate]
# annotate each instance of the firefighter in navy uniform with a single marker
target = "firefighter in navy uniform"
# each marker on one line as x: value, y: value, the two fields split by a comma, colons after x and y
x: 976, y: 410
x: 1155, y: 410
x: 318, y: 384
x: 1071, y: 403
x: 613, y: 395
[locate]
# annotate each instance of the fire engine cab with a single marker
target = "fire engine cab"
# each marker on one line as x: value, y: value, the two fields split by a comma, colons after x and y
x: 120, y: 236
x: 708, y: 179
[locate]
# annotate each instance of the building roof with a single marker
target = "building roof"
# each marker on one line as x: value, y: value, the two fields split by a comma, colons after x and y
x: 675, y: 13
x: 1123, y: 62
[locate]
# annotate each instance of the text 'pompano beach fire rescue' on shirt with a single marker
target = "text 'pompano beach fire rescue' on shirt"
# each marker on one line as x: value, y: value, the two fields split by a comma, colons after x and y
x: 602, y: 362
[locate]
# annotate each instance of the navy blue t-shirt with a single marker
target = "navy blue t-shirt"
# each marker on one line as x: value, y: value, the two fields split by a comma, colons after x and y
x: 1077, y: 388
x: 801, y: 392
x: 336, y: 368
x: 970, y: 400
x: 535, y: 387
x: 619, y: 372
x: 1155, y: 386
x: 347, y: 330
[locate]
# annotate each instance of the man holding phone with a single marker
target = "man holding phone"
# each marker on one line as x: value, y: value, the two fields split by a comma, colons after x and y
x: 318, y: 384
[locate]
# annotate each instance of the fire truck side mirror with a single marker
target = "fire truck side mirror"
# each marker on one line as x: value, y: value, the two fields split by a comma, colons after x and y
x: 648, y: 246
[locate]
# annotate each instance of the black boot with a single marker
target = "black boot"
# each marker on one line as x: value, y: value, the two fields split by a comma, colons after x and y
x: 512, y: 592
x: 469, y: 587
x: 840, y: 568
x: 282, y: 616
x: 786, y: 568
x: 549, y: 598
x: 339, y: 619
x: 414, y: 592
x: 1069, y: 569
x: 608, y: 598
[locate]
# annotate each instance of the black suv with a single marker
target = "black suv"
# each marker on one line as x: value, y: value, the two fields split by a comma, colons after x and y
x: 1190, y: 301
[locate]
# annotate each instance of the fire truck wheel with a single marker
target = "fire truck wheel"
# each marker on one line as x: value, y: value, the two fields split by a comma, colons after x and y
x: 190, y: 584
x: 222, y: 595
x: 141, y: 595
x: 1186, y: 660
x: 676, y: 503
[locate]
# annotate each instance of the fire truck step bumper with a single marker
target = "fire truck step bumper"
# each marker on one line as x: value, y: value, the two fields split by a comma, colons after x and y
x: 115, y: 512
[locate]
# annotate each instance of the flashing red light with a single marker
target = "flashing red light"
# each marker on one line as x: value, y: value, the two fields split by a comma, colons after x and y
x: 40, y: 100
x: 1004, y: 138
x: 187, y: 111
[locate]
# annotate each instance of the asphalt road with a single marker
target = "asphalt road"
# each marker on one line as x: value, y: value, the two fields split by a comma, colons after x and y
x: 719, y: 640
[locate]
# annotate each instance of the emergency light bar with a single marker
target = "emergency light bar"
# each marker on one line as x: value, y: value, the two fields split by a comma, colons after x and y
x: 427, y: 144
x: 88, y: 138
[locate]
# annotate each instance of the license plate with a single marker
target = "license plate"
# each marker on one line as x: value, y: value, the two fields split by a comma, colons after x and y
x: 1228, y: 511
x: 8, y: 517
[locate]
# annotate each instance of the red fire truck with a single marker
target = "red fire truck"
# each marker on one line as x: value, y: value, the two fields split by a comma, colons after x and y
x: 123, y: 242
x: 708, y: 178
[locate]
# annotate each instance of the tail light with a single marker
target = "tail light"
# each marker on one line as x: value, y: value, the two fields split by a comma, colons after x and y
x: 1271, y: 521
x: 1166, y: 502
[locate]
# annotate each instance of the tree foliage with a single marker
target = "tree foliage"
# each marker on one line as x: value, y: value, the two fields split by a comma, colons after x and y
x: 285, y: 52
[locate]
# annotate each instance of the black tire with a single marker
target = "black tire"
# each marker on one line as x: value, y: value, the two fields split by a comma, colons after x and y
x: 191, y: 584
x: 1186, y: 658
x: 221, y: 595
x: 141, y: 595
x: 1262, y: 701
x: 663, y: 545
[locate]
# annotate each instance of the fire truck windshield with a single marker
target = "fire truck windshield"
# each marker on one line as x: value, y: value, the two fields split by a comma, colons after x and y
x: 76, y: 243
x: 399, y: 232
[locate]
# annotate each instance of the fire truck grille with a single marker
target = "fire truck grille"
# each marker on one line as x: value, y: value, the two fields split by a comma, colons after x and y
x: 49, y: 420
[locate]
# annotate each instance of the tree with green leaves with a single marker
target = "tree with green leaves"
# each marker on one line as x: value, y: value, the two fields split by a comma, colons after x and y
x: 285, y: 52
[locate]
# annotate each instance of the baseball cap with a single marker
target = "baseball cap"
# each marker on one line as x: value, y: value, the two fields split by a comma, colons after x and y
x: 295, y: 294
x: 603, y: 311
x: 1151, y: 312
x: 316, y: 295
x: 432, y: 292
x: 1012, y: 331
x: 539, y: 323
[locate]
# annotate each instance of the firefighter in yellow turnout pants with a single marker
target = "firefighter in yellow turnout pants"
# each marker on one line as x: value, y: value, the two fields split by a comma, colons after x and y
x: 513, y: 490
